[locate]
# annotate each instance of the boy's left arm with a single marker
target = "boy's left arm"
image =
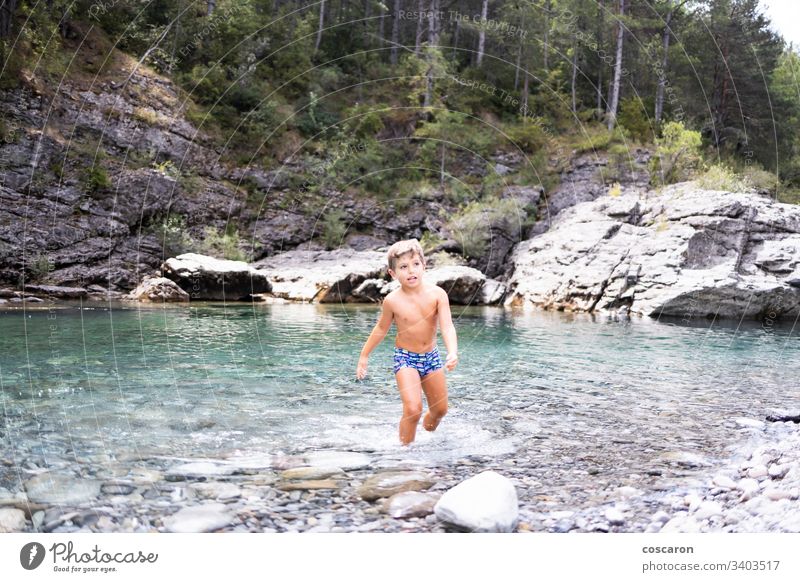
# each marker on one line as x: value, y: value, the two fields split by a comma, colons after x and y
x: 448, y: 330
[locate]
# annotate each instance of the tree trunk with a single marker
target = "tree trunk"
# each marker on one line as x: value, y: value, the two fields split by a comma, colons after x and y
x: 516, y: 69
x: 420, y: 28
x: 321, y: 24
x: 525, y: 86
x: 382, y: 29
x: 574, y: 73
x: 482, y: 33
x: 662, y: 78
x: 600, y: 25
x: 547, y: 7
x: 210, y: 7
x: 398, y: 5
x: 612, y: 107
x: 455, y: 38
x: 7, y: 10
x: 433, y: 40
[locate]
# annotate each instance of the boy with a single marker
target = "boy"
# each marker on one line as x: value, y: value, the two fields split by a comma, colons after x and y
x: 415, y: 308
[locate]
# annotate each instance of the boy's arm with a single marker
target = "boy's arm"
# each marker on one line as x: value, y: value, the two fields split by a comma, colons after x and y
x: 378, y: 333
x: 448, y: 330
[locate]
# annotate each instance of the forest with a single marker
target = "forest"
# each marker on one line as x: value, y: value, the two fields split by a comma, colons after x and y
x: 363, y: 85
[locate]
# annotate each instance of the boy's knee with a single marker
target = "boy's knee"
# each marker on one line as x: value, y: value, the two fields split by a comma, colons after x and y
x: 412, y: 411
x: 439, y: 409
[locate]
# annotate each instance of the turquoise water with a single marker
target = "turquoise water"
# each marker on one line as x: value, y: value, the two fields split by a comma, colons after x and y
x: 555, y: 389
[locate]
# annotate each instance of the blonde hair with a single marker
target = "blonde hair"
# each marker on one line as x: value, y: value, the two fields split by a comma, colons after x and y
x: 403, y: 247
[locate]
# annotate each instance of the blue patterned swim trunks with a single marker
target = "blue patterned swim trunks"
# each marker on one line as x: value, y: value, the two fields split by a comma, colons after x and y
x: 422, y: 363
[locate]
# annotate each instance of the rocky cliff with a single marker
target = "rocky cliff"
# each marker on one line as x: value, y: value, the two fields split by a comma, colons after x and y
x: 681, y: 252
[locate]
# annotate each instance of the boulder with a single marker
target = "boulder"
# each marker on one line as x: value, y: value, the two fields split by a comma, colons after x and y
x: 205, y: 277
x: 322, y: 276
x: 56, y: 291
x: 484, y: 503
x: 683, y: 252
x: 158, y: 290
x: 462, y: 284
x: 199, y: 519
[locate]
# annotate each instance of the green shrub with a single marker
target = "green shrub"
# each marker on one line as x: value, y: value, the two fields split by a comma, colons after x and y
x: 171, y: 232
x: 41, y: 266
x: 472, y: 227
x: 633, y: 117
x: 677, y: 154
x: 722, y: 177
x: 333, y: 228
x: 222, y: 245
x: 529, y: 136
x: 96, y: 179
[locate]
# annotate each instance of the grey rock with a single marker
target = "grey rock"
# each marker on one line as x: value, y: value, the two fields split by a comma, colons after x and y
x: 199, y: 518
x: 11, y: 520
x: 61, y: 489
x: 484, y: 503
x: 158, y: 290
x: 689, y: 253
x: 204, y: 277
x: 410, y: 504
x: 393, y: 482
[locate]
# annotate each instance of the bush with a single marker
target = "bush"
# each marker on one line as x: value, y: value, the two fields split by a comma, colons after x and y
x: 633, y: 117
x: 333, y: 228
x: 677, y: 154
x: 472, y: 228
x: 171, y: 232
x: 41, y: 266
x: 722, y: 177
x: 222, y: 245
x: 530, y: 137
x: 96, y: 179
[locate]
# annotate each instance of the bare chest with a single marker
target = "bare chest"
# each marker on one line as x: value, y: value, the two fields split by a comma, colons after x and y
x: 415, y: 312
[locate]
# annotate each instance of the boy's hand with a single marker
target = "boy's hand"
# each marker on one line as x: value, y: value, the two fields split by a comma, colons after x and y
x: 450, y: 363
x: 361, y: 370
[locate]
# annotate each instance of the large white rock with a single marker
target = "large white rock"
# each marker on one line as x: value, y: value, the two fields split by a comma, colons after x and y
x: 158, y: 290
x: 205, y: 277
x: 322, y: 276
x: 484, y: 503
x: 682, y: 252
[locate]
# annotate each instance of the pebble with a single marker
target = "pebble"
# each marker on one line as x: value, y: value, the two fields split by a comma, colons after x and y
x: 392, y: 482
x: 778, y: 471
x: 58, y: 489
x: 614, y: 516
x: 311, y: 472
x: 310, y: 484
x: 721, y: 480
x: 708, y: 509
x: 11, y: 520
x: 410, y: 504
x: 199, y: 519
x: 757, y: 472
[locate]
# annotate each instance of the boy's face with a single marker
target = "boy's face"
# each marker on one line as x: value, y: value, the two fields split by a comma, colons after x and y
x: 408, y: 270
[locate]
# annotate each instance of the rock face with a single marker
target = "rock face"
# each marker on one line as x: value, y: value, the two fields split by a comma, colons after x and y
x: 205, y: 277
x: 158, y: 290
x: 484, y: 503
x: 682, y: 252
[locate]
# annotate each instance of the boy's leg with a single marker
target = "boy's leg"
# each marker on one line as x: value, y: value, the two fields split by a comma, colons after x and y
x: 435, y: 387
x: 408, y: 383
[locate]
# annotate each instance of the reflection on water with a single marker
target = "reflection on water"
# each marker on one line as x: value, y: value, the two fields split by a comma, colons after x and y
x: 550, y: 388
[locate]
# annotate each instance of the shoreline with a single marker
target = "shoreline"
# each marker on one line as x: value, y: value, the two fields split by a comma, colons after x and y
x: 755, y: 489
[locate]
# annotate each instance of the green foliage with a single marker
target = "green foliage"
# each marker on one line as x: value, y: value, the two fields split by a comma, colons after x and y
x: 224, y: 245
x: 722, y: 177
x: 528, y: 135
x: 472, y: 226
x: 40, y: 267
x: 171, y: 233
x: 334, y: 228
x: 96, y: 179
x: 633, y: 117
x: 677, y: 154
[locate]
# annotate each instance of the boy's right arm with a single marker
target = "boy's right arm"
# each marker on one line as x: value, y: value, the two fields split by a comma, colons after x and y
x: 378, y: 333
